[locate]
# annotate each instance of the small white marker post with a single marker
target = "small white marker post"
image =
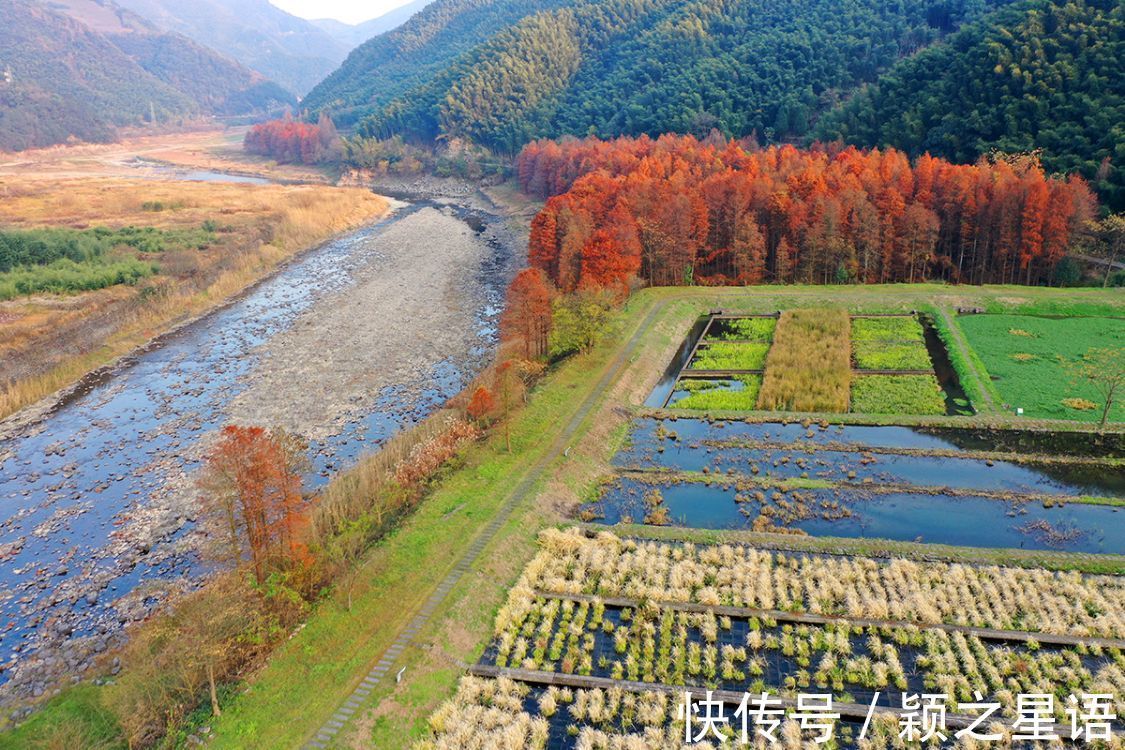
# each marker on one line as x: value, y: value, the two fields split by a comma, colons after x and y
x: 398, y: 677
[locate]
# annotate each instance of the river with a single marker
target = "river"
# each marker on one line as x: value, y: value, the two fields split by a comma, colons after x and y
x: 94, y: 527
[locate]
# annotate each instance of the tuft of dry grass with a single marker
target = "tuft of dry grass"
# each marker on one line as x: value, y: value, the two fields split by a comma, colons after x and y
x: 809, y: 365
x: 49, y: 341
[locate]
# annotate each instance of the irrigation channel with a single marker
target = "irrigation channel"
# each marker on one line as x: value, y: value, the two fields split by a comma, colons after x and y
x: 942, y: 485
x: 97, y: 497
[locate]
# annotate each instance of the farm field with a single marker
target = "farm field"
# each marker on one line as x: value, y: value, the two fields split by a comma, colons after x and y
x: 902, y: 367
x: 737, y: 365
x: 590, y: 613
x: 602, y: 633
x: 587, y: 422
x: 840, y: 481
x: 1030, y: 361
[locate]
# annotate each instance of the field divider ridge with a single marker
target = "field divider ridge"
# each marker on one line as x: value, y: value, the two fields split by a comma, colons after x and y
x: 730, y: 697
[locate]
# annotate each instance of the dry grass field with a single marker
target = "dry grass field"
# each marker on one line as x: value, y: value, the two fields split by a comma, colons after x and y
x: 48, y: 341
x: 209, y: 149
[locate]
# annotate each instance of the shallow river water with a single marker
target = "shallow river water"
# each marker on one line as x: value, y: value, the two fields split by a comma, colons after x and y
x: 82, y: 522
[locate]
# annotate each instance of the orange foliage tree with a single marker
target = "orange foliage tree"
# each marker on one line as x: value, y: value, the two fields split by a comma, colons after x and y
x: 677, y: 210
x: 253, y: 493
x: 480, y: 404
x: 526, y: 320
x: 291, y: 141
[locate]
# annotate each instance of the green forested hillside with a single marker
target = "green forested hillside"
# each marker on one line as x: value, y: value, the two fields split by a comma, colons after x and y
x: 68, y: 80
x: 1042, y: 74
x: 61, y: 77
x: 418, y: 53
x: 215, y: 83
x: 502, y: 71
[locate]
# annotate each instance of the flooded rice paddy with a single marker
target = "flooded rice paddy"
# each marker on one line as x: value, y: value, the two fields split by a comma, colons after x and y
x: 947, y: 486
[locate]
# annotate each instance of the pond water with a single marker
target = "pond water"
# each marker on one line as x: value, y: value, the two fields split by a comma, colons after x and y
x: 903, y: 516
x: 956, y: 400
x: 954, y: 497
x: 163, y: 171
x: 72, y: 482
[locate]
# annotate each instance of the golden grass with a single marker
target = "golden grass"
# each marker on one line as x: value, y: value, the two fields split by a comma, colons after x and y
x: 808, y: 367
x: 207, y: 149
x: 263, y: 226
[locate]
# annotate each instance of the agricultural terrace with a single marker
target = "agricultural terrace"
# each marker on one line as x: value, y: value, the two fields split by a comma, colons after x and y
x: 810, y: 360
x: 984, y: 539
x: 758, y: 548
x: 600, y: 636
x: 815, y: 361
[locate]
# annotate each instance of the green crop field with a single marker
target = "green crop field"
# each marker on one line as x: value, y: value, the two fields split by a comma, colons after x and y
x: 887, y: 329
x: 745, y: 329
x: 725, y: 356
x: 711, y: 395
x: 1031, y: 359
x: 897, y: 394
x: 880, y: 355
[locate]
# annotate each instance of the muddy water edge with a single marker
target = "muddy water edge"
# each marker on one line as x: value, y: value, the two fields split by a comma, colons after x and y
x: 97, y: 497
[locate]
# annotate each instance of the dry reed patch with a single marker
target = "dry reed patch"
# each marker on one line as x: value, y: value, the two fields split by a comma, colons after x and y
x: 299, y: 210
x: 1026, y: 599
x: 809, y: 365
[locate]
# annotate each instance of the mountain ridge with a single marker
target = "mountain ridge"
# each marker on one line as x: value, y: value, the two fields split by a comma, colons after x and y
x: 290, y: 50
x: 503, y: 71
x: 63, y: 80
x: 356, y: 34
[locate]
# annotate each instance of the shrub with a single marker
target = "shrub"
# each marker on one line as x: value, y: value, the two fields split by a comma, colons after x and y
x: 578, y: 321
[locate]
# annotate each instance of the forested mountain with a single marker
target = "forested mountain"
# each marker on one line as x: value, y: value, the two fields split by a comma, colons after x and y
x: 354, y: 35
x: 290, y: 50
x: 1042, y: 74
x: 81, y: 69
x: 500, y: 72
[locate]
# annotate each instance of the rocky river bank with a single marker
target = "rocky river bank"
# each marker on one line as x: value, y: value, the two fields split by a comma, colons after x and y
x: 346, y: 346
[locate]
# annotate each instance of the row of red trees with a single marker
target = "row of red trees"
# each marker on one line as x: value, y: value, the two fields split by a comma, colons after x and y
x: 290, y: 141
x: 676, y: 210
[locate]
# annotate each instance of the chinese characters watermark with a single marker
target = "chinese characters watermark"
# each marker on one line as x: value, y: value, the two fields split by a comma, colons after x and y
x: 921, y: 718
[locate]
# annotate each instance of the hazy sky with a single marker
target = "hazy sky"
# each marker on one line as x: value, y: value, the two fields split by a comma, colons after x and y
x: 348, y: 11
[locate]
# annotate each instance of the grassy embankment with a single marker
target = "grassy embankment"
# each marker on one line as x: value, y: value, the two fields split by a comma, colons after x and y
x: 576, y: 407
x: 51, y: 340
